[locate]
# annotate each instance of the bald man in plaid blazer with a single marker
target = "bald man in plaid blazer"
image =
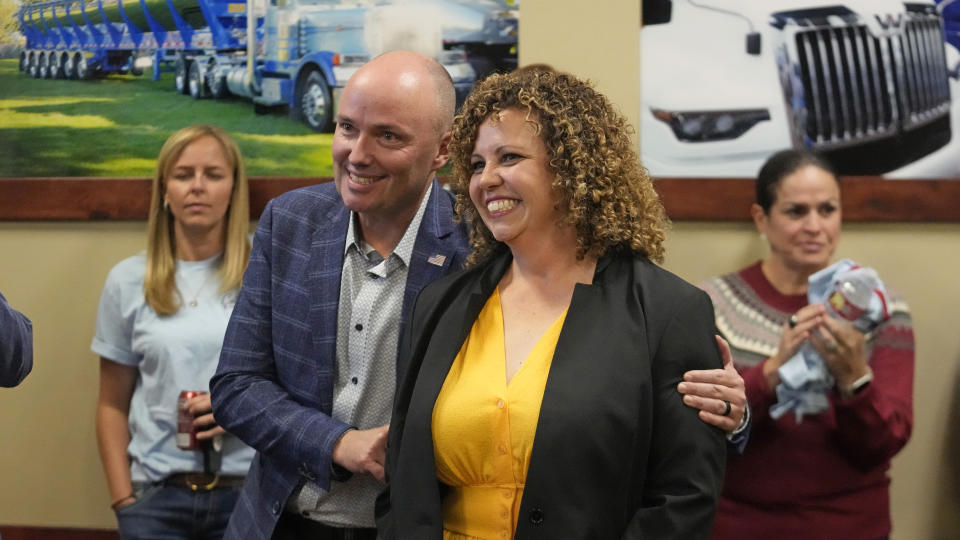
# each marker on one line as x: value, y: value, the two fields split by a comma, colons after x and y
x: 276, y: 387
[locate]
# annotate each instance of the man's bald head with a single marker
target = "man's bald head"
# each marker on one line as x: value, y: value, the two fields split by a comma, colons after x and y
x: 393, y: 126
x: 414, y: 72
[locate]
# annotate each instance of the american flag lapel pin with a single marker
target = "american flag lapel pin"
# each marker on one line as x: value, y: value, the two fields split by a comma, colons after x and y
x: 437, y: 259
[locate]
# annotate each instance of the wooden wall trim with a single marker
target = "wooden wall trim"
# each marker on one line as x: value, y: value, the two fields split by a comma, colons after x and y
x: 865, y: 199
x: 98, y: 199
x: 53, y: 533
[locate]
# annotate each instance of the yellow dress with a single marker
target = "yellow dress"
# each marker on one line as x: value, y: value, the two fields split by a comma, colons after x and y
x: 483, y: 428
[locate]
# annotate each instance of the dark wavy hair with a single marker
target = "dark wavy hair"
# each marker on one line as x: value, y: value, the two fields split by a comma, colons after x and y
x: 781, y: 165
x: 604, y: 191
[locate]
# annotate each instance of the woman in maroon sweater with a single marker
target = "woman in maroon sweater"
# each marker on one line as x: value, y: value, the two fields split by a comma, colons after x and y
x: 824, y: 477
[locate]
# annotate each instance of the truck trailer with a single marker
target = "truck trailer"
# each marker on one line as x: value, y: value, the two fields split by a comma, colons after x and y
x: 293, y: 53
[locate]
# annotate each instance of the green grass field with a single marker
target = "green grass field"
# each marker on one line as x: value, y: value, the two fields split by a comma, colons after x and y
x: 115, y: 126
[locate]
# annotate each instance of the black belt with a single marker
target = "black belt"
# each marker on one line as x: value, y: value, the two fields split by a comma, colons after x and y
x: 202, y: 481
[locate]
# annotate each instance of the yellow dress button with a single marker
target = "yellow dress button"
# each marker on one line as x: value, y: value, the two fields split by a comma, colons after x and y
x: 500, y: 403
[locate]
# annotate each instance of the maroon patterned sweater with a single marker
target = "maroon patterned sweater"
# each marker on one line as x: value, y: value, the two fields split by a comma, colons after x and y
x: 826, y: 477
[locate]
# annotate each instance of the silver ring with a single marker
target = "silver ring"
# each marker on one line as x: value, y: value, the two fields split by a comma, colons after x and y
x: 793, y: 321
x: 832, y: 346
x: 726, y: 411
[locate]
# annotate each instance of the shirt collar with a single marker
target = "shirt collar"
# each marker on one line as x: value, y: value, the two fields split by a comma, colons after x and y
x: 404, y: 248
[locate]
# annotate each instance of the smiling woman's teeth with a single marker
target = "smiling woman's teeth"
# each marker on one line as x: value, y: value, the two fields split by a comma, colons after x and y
x: 501, y: 205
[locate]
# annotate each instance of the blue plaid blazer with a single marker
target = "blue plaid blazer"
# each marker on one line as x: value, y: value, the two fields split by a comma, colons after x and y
x: 274, y: 385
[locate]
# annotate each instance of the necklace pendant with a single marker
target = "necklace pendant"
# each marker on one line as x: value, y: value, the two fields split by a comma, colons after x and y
x: 193, y: 303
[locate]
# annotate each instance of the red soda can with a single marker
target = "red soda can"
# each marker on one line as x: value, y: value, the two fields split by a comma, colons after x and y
x: 186, y: 432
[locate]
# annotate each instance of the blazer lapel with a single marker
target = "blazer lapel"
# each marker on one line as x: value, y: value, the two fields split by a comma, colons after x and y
x: 437, y: 351
x: 432, y: 254
x: 598, y: 343
x: 454, y: 326
x: 435, y: 251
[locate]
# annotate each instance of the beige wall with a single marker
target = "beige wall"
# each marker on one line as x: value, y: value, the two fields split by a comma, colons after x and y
x: 596, y: 40
x: 50, y: 473
x: 53, y: 272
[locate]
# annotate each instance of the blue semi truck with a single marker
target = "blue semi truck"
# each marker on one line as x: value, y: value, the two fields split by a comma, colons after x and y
x: 293, y: 53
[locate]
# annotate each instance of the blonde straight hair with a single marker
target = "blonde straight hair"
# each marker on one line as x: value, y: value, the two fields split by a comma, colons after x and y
x: 159, y: 284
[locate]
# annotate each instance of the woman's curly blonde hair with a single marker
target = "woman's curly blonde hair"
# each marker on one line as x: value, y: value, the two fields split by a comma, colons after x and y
x: 608, y: 196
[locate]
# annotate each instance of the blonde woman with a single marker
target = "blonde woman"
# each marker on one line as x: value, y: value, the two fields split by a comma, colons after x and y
x: 160, y: 327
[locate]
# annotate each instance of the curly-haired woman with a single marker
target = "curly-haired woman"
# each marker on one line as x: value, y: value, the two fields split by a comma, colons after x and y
x: 538, y: 391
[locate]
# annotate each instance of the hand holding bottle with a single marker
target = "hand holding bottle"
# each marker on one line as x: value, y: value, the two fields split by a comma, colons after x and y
x: 843, y: 349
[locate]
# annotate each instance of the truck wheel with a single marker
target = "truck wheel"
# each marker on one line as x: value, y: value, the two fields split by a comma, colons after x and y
x: 35, y: 70
x: 217, y: 82
x: 70, y: 67
x: 22, y: 66
x: 51, y: 69
x: 31, y: 64
x: 50, y: 65
x: 218, y: 87
x: 180, y: 75
x: 60, y: 65
x: 316, y: 107
x: 41, y: 65
x: 198, y: 87
x: 216, y: 79
x: 81, y: 67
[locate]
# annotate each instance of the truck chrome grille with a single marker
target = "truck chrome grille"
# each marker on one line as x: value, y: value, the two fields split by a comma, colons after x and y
x: 857, y: 87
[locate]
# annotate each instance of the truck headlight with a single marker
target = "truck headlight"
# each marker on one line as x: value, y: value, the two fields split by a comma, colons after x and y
x: 703, y: 126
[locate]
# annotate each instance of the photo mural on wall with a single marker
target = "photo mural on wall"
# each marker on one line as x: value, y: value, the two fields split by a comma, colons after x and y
x: 291, y: 56
x: 872, y: 84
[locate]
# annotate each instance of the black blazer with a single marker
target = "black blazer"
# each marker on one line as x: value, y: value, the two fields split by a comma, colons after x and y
x: 616, y: 453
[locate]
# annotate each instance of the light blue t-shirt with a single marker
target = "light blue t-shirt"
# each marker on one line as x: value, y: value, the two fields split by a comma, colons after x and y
x: 172, y: 353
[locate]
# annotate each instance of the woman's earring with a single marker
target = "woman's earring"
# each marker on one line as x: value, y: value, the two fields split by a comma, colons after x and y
x: 166, y: 206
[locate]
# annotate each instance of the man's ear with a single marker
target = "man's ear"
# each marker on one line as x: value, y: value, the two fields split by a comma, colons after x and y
x: 443, y: 152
